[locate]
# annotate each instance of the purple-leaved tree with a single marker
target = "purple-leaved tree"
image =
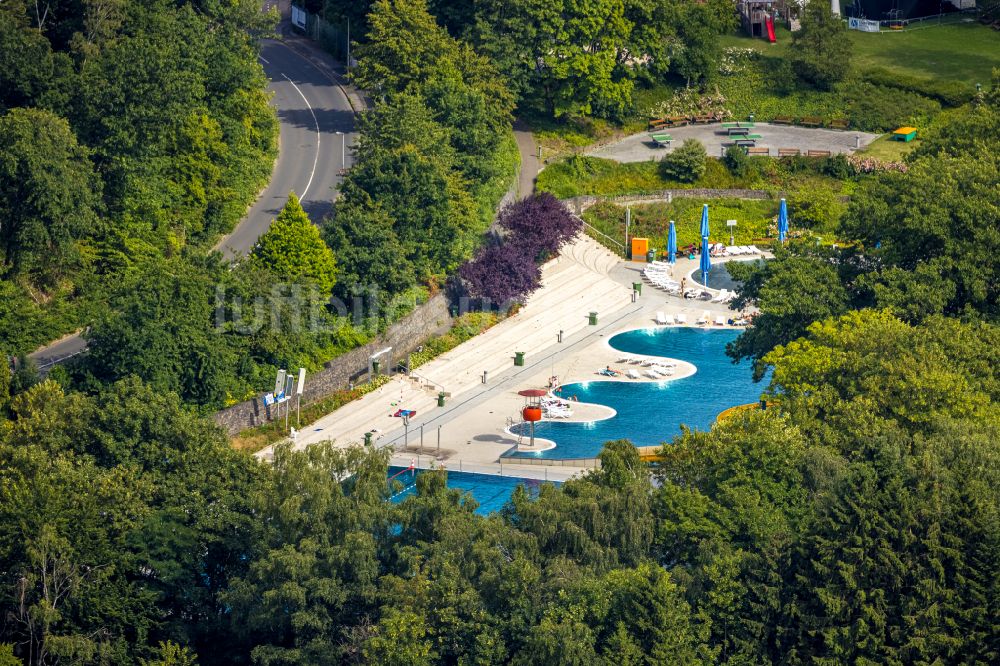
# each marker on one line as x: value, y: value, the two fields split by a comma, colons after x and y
x: 540, y: 223
x: 503, y: 273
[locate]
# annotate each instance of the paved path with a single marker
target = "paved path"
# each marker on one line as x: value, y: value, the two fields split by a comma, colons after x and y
x: 638, y: 147
x: 527, y: 147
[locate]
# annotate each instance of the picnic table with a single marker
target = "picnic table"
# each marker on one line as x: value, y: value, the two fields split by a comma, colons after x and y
x: 661, y: 140
x: 749, y: 140
x: 737, y: 124
x: 905, y: 134
x: 737, y: 131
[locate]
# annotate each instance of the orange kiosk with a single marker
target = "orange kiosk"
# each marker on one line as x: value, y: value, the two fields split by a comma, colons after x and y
x: 640, y: 246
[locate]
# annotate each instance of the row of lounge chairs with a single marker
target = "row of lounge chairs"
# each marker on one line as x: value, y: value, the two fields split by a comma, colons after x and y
x: 554, y: 408
x: 720, y: 250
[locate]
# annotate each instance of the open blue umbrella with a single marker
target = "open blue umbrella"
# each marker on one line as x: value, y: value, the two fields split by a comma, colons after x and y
x: 672, y: 243
x: 782, y: 221
x: 706, y: 262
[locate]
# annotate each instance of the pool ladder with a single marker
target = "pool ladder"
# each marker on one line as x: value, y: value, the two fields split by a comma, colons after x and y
x: 510, y: 424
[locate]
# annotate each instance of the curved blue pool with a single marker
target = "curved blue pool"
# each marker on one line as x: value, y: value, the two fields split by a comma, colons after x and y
x: 650, y: 413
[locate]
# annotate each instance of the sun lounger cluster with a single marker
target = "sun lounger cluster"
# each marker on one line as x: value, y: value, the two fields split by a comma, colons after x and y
x: 556, y: 408
x: 654, y: 368
x: 720, y: 250
x: 657, y: 273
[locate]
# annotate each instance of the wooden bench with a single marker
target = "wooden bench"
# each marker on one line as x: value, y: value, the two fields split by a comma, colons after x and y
x: 677, y: 121
x: 759, y: 150
x: 811, y: 121
x: 789, y: 152
x: 818, y: 153
x: 702, y: 119
x: 839, y: 123
x: 658, y: 123
x: 782, y: 120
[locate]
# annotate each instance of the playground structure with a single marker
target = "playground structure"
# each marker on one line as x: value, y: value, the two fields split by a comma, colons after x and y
x: 757, y: 17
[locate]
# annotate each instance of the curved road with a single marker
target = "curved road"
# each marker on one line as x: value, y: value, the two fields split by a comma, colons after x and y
x: 312, y: 108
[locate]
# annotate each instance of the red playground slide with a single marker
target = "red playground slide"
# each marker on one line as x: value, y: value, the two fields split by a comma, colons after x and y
x: 769, y: 22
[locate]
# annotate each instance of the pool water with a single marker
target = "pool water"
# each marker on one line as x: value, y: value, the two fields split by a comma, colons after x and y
x: 650, y: 413
x: 490, y: 492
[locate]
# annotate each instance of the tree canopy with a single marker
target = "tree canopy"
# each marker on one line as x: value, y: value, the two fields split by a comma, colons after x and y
x: 292, y: 248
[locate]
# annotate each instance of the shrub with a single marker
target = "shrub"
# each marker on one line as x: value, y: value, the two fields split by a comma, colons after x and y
x: 814, y: 209
x: 876, y: 108
x: 686, y: 164
x: 949, y: 93
x: 737, y: 161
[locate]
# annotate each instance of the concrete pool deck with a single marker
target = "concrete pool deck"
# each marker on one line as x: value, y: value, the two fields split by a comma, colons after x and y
x: 639, y: 147
x: 473, y: 424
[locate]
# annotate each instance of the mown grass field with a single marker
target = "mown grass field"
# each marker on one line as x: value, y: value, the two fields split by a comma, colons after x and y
x: 956, y: 51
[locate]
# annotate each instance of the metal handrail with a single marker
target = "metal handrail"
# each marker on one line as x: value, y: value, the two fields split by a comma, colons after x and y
x: 621, y: 246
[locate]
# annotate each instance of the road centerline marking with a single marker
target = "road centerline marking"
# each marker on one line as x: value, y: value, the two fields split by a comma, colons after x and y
x: 316, y: 123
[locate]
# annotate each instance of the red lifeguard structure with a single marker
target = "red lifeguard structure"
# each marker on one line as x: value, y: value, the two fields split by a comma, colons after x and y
x: 532, y: 411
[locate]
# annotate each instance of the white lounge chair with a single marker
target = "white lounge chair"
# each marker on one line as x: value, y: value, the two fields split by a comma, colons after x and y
x: 633, y: 373
x: 755, y: 250
x: 652, y: 375
x: 661, y: 318
x: 705, y: 318
x: 721, y: 297
x: 720, y: 320
x: 682, y: 318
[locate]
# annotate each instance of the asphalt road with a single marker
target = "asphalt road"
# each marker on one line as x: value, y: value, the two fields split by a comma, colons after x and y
x: 311, y: 108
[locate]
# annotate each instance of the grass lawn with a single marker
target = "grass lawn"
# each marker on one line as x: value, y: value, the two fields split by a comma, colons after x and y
x: 965, y: 52
x: 886, y: 149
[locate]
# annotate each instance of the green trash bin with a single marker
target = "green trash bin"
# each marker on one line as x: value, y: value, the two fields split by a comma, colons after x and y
x: 637, y: 287
x: 593, y: 319
x: 518, y: 358
x: 375, y: 366
x: 651, y: 255
x: 368, y: 439
x: 441, y: 399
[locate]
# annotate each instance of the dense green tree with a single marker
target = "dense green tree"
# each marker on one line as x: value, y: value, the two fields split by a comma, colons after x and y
x: 292, y: 248
x: 47, y: 196
x: 935, y: 223
x: 791, y: 291
x: 161, y: 329
x: 821, y: 48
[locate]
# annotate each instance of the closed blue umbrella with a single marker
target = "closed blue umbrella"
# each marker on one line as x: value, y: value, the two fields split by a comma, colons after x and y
x: 706, y: 263
x: 672, y: 243
x: 782, y: 221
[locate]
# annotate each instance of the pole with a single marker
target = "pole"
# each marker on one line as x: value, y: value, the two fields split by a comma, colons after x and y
x: 439, y: 439
x: 628, y: 221
x: 298, y: 412
x: 421, y: 436
x: 288, y: 407
x: 347, y: 65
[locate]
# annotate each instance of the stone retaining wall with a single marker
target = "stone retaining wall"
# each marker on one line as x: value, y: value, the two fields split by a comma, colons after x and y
x: 427, y: 320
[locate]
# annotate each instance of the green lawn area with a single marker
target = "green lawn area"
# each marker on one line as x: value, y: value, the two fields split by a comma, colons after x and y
x: 884, y: 148
x: 965, y: 52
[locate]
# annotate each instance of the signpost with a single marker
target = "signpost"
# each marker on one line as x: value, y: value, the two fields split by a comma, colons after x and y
x: 732, y: 229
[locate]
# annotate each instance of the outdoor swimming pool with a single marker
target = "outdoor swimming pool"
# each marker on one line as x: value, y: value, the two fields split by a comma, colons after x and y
x: 490, y: 492
x: 650, y: 413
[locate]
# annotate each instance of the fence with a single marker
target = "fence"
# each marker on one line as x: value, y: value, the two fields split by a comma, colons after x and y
x: 333, y: 37
x: 507, y: 468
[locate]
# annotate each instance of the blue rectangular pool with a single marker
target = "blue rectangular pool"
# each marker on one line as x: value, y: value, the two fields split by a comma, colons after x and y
x: 490, y: 492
